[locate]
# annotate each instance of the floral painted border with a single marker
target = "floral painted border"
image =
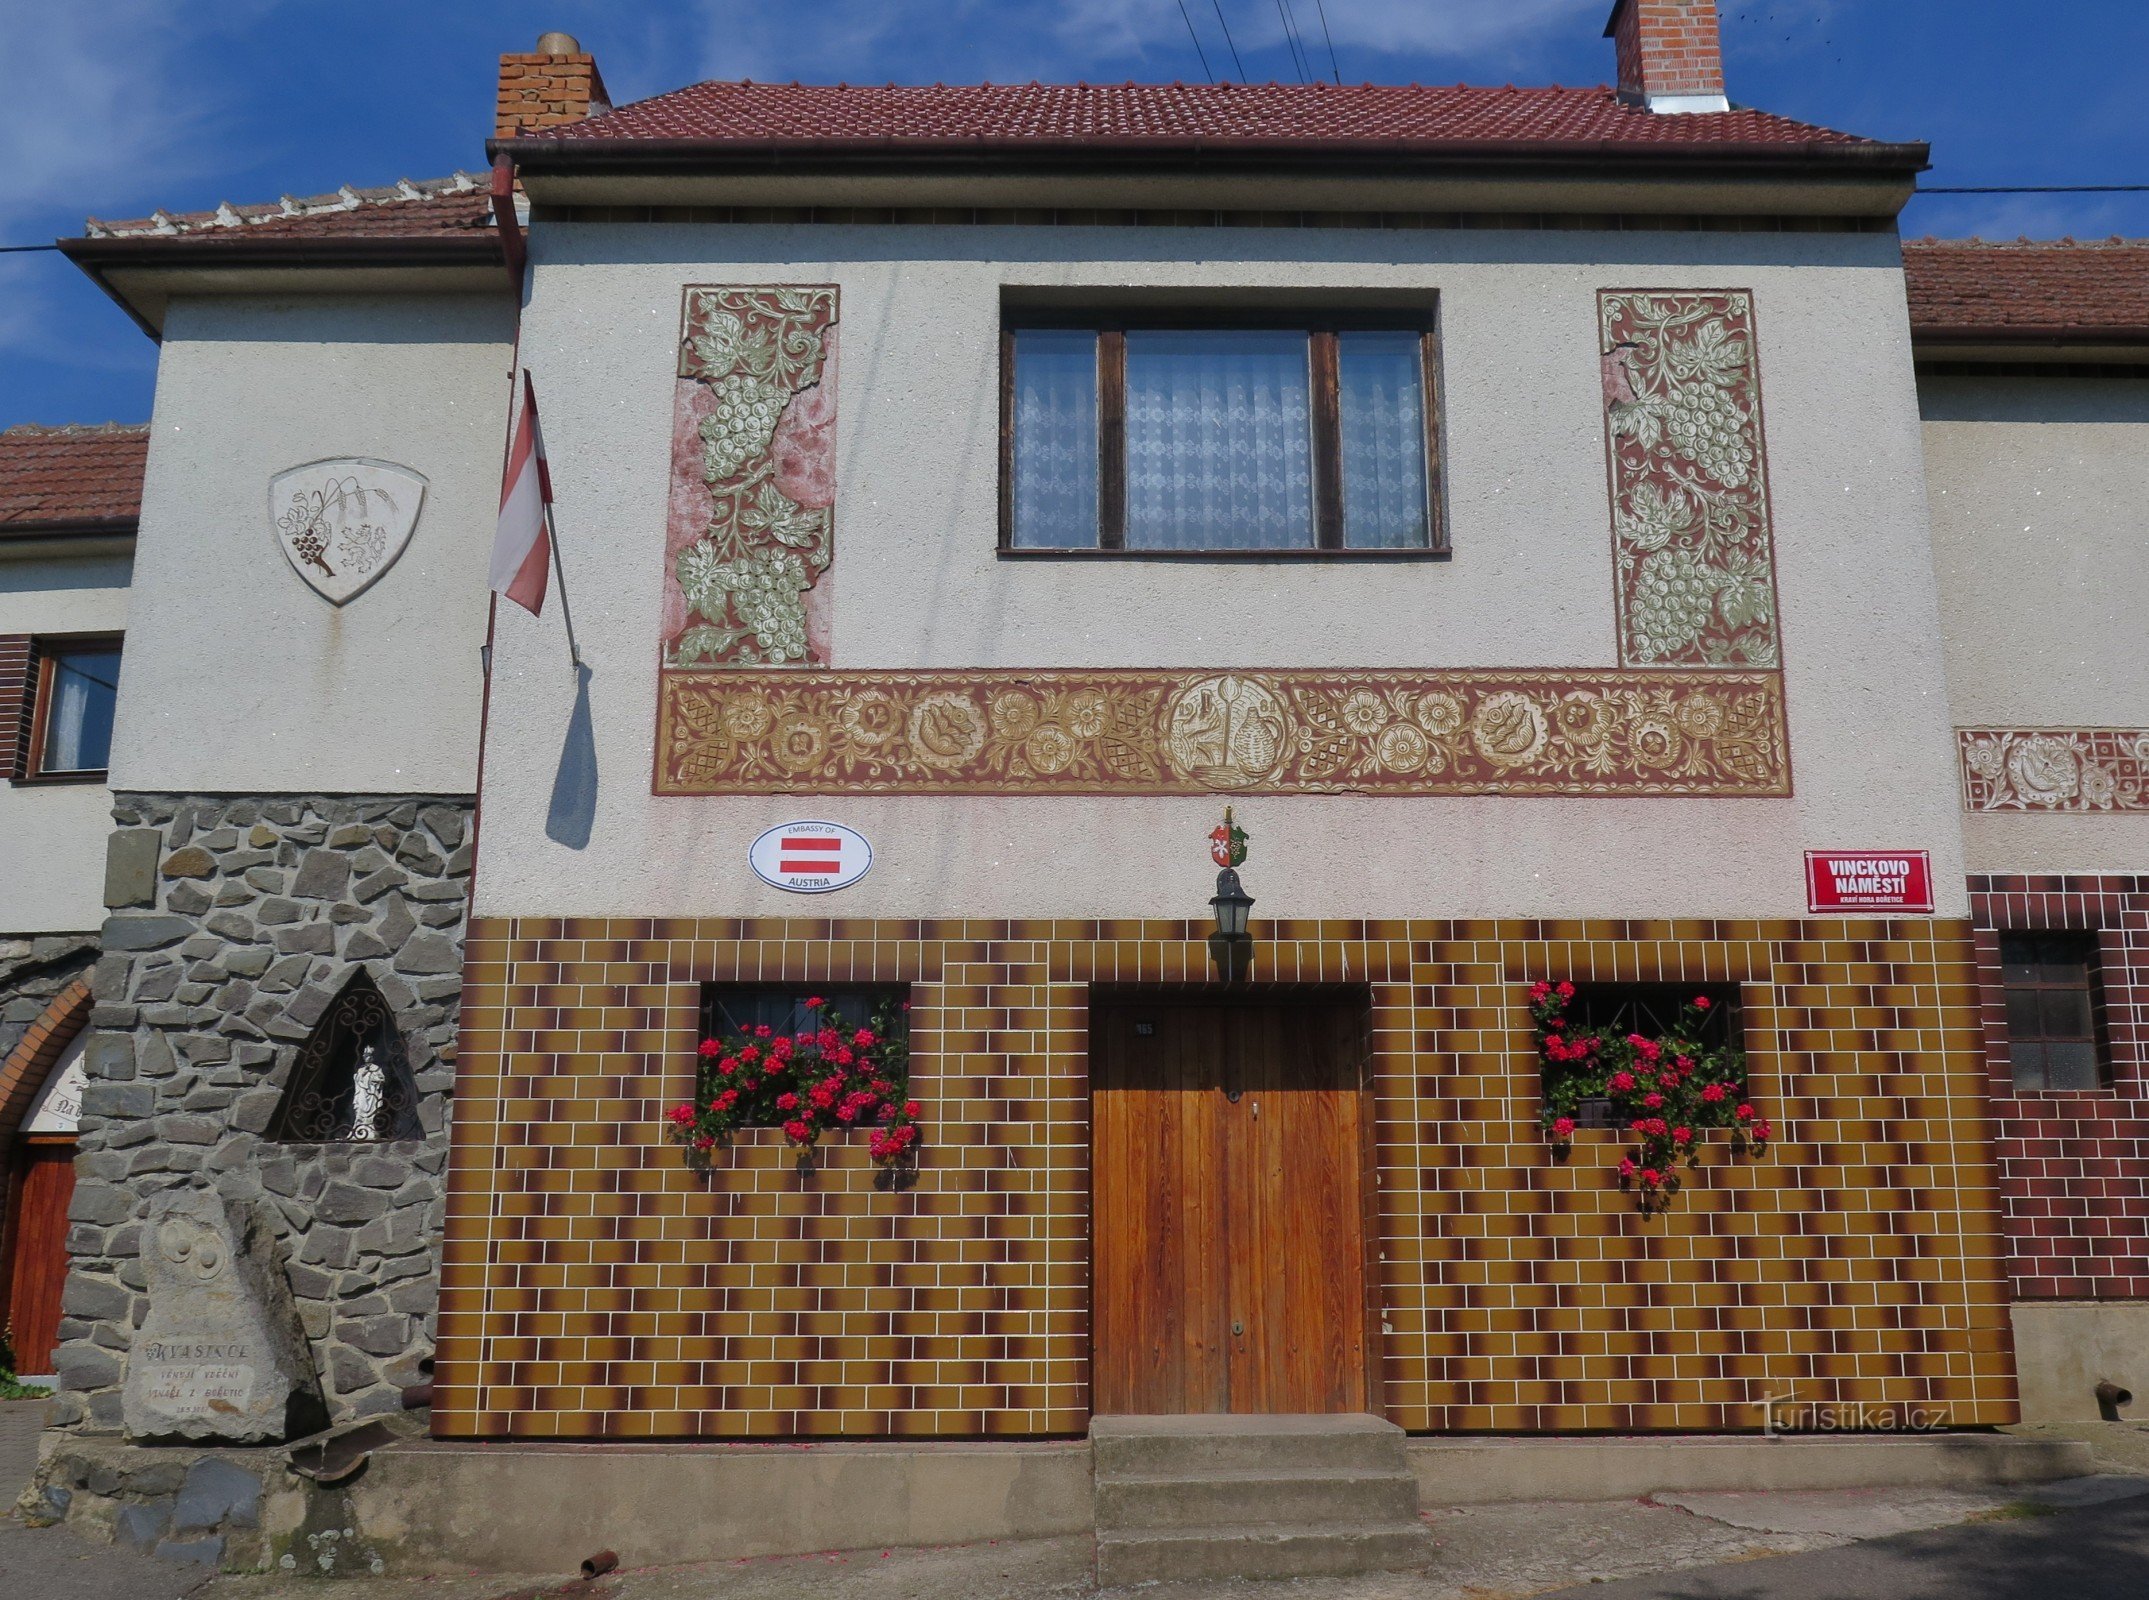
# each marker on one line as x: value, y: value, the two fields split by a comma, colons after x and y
x: 1570, y: 732
x: 1695, y: 578
x: 2054, y: 769
x: 750, y: 529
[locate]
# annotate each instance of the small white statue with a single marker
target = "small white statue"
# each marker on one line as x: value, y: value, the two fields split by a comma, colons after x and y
x: 369, y: 1086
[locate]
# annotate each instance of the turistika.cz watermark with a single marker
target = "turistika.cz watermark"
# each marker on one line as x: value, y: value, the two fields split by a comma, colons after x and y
x: 1791, y: 1415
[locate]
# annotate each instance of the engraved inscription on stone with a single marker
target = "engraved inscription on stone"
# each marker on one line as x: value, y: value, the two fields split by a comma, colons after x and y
x: 201, y: 1379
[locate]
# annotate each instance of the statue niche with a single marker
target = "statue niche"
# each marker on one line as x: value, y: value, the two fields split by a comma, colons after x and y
x: 351, y: 1083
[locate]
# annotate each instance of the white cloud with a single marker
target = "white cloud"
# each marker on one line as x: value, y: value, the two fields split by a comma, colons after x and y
x: 98, y: 102
x: 102, y: 112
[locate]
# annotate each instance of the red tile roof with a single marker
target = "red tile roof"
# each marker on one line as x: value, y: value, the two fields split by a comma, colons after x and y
x: 1275, y: 115
x: 459, y: 206
x: 2056, y: 289
x: 67, y: 476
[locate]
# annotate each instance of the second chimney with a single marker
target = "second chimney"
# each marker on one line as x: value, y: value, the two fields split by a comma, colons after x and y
x: 1671, y: 54
x: 555, y: 85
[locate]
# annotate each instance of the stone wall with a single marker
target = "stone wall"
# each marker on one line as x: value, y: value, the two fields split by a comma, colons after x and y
x: 33, y: 969
x: 235, y: 923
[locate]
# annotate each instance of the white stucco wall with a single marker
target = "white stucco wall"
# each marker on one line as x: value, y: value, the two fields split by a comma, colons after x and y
x: 259, y: 685
x: 52, y: 835
x: 917, y: 582
x: 2040, y: 492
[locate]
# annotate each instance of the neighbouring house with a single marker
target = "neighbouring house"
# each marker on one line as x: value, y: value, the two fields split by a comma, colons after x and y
x: 1661, y: 639
x: 69, y: 498
x: 2033, y: 381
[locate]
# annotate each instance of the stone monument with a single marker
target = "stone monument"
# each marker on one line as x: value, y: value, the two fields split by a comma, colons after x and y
x: 221, y: 1355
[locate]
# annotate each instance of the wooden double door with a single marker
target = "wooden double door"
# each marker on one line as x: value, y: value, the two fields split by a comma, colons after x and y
x: 1232, y: 1201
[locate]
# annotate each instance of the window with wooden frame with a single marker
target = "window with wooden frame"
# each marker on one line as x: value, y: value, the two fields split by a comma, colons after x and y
x: 72, y: 689
x: 2052, y: 1034
x: 1170, y: 435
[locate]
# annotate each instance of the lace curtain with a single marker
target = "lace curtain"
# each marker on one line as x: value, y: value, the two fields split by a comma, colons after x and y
x: 78, y: 722
x: 1381, y: 394
x: 1219, y: 451
x: 1219, y: 455
x: 1056, y: 439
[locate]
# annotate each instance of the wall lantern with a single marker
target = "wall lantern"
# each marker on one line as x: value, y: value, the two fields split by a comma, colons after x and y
x: 1231, y: 947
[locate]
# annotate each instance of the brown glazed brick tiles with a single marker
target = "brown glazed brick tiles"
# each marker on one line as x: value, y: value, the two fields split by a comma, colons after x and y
x: 596, y: 1288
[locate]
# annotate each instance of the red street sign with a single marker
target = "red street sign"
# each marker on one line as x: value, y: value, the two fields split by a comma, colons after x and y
x: 1869, y: 880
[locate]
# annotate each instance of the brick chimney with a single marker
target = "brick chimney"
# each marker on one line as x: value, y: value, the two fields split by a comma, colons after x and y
x: 1671, y: 56
x: 554, y: 85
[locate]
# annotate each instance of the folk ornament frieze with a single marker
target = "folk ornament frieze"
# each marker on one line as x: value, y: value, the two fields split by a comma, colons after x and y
x: 750, y: 528
x: 1568, y: 732
x: 342, y: 523
x: 2054, y: 769
x: 1694, y: 556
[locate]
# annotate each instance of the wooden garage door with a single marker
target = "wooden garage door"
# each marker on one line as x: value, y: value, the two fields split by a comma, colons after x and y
x: 1230, y: 1207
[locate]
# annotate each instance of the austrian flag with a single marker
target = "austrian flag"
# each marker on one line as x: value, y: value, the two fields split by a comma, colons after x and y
x: 522, y: 546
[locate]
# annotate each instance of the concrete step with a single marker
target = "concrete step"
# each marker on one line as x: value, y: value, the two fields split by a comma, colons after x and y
x: 1269, y: 1550
x: 1178, y: 1446
x: 1255, y: 1495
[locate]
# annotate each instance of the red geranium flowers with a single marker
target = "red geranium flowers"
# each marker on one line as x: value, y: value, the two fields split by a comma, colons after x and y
x: 826, y: 1076
x: 1664, y: 1090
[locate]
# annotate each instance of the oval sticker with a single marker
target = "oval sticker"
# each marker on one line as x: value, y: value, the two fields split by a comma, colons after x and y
x: 811, y: 857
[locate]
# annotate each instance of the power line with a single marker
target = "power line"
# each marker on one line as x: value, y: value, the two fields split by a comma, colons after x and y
x: 1334, y: 70
x: 1207, y: 75
x: 2042, y: 188
x: 1290, y: 42
x: 15, y: 249
x: 1236, y: 63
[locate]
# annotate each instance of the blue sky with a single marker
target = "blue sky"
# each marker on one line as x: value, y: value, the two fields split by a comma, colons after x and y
x: 121, y: 106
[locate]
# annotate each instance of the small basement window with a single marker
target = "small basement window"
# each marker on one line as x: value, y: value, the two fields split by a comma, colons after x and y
x: 2051, y: 1011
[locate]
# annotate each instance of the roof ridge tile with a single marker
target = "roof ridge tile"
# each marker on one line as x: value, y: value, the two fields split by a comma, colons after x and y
x: 345, y: 198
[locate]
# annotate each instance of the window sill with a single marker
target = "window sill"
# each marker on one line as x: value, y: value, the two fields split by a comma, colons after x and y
x: 1235, y: 556
x: 2103, y: 1091
x: 55, y: 780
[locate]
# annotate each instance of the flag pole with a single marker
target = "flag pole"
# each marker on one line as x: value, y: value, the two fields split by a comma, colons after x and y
x: 559, y: 572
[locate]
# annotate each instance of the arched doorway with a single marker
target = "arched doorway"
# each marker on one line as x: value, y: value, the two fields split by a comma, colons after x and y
x: 40, y: 1100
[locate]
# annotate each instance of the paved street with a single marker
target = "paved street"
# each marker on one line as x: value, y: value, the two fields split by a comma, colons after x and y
x: 51, y: 1563
x: 2095, y: 1553
x: 2084, y: 1540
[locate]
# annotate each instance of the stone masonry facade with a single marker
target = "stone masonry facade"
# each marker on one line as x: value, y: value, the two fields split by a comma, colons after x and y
x: 34, y: 969
x: 235, y: 923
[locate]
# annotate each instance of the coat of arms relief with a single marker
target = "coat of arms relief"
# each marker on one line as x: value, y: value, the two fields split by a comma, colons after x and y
x: 342, y: 523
